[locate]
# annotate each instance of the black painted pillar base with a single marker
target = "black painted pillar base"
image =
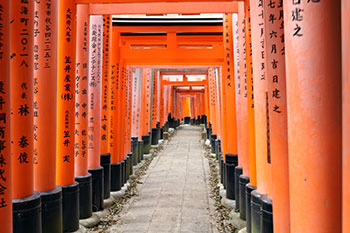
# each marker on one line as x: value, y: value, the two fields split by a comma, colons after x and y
x: 51, y: 205
x: 106, y: 164
x: 27, y: 214
x: 70, y: 207
x: 187, y: 120
x: 248, y: 190
x: 130, y: 169
x: 97, y: 188
x: 256, y: 211
x: 146, y: 144
x: 85, y: 195
x: 154, y: 138
x: 243, y: 181
x: 116, y: 181
x: 161, y: 136
x: 266, y: 215
x: 230, y: 164
x: 238, y: 172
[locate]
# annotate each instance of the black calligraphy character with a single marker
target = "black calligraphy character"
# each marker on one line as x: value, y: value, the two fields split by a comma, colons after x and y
x: 2, y: 172
x: 66, y: 142
x: 276, y: 93
x: 23, y: 158
x: 273, y: 34
x: 276, y: 109
x: 275, y: 79
x: 296, y: 14
x: 23, y: 110
x: 2, y: 189
x: 2, y: 160
x: 296, y: 2
x: 2, y: 89
x: 66, y: 158
x: 274, y: 64
x: 23, y: 142
x: 272, y: 4
x: 272, y: 18
x: 2, y: 101
x: 274, y: 49
x: 297, y: 30
x: 3, y: 203
x: 2, y: 145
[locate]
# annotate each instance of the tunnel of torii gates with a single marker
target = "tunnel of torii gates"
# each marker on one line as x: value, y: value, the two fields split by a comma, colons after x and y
x: 83, y: 95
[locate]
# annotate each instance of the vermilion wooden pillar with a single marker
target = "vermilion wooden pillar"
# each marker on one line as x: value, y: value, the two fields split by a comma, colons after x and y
x: 313, y: 72
x: 115, y: 140
x: 128, y: 114
x: 94, y: 109
x: 136, y: 102
x: 114, y: 99
x: 277, y: 121
x: 229, y: 85
x: 244, y: 158
x: 207, y: 100
x: 45, y: 112
x: 66, y: 114
x: 213, y: 100
x: 5, y: 153
x: 250, y: 95
x: 263, y: 154
x: 21, y: 100
x: 81, y: 112
x: 346, y: 113
x: 106, y: 72
x: 146, y: 101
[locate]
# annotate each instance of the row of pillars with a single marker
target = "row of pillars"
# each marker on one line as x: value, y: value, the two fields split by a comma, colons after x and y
x: 276, y: 115
x: 74, y: 118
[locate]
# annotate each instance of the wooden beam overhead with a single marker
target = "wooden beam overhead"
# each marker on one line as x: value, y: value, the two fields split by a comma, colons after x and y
x: 154, y: 8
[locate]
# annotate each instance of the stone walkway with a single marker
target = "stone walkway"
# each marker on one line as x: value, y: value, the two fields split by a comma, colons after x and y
x: 174, y: 196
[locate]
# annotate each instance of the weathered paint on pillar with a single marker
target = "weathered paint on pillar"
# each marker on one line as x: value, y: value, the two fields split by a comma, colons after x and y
x: 244, y: 158
x: 94, y: 91
x: 81, y: 90
x: 346, y: 113
x: 228, y: 68
x: 277, y: 120
x: 45, y: 94
x: 313, y: 73
x: 22, y: 96
x: 250, y: 95
x: 65, y: 92
x: 263, y: 155
x: 107, y: 32
x: 5, y: 108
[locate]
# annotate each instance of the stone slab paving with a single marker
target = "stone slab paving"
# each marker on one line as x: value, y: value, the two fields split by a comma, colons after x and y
x: 174, y: 196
